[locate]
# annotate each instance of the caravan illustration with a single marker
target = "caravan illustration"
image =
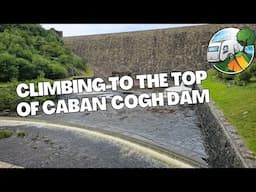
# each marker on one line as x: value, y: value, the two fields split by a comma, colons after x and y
x: 221, y: 50
x: 231, y: 50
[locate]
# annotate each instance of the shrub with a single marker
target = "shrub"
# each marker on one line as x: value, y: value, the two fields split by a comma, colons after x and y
x: 8, y: 67
x: 5, y: 133
x: 9, y: 99
x: 21, y: 133
x: 28, y: 51
x: 26, y: 69
x: 240, y: 79
x: 224, y: 76
x: 253, y: 69
x: 243, y: 78
x: 56, y: 71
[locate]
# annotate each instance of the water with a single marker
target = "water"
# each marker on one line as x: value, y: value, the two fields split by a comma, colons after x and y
x: 175, y: 128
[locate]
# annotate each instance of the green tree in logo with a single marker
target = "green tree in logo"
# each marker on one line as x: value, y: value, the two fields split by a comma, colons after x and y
x: 246, y: 37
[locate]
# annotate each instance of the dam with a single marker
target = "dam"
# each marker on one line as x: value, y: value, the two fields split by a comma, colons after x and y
x: 147, y: 52
x: 176, y: 131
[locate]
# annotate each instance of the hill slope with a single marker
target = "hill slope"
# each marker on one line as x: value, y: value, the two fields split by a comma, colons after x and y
x: 28, y: 51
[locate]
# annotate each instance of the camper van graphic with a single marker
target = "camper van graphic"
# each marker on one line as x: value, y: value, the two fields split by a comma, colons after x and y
x: 231, y: 50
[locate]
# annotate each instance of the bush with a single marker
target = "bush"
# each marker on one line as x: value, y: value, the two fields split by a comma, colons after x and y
x: 56, y: 71
x: 8, y: 67
x: 224, y: 76
x: 9, y: 99
x: 5, y: 133
x: 240, y: 79
x: 28, y: 51
x: 253, y: 69
x: 243, y: 78
x: 21, y: 133
x: 26, y: 69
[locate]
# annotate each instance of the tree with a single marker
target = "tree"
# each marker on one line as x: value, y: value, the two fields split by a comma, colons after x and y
x: 28, y: 51
x: 8, y: 67
x: 246, y: 37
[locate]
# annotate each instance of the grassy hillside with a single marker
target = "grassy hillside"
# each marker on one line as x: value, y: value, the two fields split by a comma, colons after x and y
x: 27, y: 51
x: 238, y: 104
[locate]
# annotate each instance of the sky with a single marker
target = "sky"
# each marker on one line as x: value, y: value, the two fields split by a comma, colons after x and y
x: 225, y: 34
x: 91, y: 29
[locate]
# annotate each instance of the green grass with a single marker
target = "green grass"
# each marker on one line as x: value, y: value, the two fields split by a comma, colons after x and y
x: 21, y: 133
x: 5, y: 133
x: 238, y: 104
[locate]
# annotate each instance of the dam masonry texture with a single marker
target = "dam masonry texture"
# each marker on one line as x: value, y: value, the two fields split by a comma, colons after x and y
x: 143, y: 52
x: 165, y: 50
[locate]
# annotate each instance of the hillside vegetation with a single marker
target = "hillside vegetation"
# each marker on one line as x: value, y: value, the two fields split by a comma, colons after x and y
x: 28, y: 51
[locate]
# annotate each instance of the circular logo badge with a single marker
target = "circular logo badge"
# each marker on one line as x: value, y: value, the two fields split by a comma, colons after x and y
x: 231, y: 50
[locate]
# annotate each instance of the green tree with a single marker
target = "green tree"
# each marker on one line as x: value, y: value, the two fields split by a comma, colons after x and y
x: 246, y: 37
x: 28, y: 51
x: 8, y: 67
x: 56, y: 71
x: 26, y: 69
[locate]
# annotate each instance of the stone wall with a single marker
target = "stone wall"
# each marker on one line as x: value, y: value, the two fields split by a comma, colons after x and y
x: 164, y: 50
x: 223, y: 144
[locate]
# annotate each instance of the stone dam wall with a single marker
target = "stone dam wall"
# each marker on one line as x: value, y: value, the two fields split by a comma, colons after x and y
x: 164, y: 50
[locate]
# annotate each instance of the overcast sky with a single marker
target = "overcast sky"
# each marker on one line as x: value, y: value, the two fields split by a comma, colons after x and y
x: 90, y: 29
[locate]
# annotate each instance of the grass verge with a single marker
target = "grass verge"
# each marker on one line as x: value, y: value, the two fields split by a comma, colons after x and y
x: 238, y: 104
